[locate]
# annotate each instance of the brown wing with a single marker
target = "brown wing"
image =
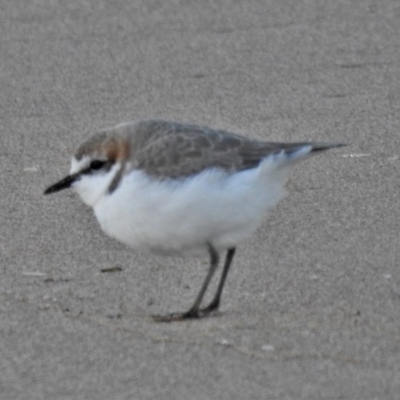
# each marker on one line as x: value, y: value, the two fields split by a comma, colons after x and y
x: 171, y: 150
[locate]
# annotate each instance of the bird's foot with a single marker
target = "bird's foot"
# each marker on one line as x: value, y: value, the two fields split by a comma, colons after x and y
x: 189, y: 315
x: 172, y: 317
x: 213, y: 306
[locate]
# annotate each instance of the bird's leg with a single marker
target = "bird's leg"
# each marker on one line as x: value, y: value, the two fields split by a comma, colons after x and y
x: 217, y: 298
x: 194, y: 310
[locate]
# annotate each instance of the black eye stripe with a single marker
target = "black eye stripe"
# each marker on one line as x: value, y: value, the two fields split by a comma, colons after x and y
x: 95, y: 165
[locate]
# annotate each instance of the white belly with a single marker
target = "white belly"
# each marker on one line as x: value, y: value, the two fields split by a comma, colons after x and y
x: 179, y: 217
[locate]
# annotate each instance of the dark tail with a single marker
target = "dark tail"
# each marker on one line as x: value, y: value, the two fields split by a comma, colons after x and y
x: 297, y: 151
x: 316, y: 146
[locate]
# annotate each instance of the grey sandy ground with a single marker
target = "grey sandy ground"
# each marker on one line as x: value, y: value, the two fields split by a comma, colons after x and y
x: 312, y: 306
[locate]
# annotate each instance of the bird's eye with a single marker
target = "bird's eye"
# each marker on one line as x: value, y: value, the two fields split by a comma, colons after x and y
x: 97, y: 164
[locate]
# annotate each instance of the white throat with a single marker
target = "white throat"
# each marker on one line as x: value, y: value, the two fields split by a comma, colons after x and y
x: 92, y: 187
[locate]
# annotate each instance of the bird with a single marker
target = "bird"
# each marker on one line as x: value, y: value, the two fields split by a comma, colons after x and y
x: 181, y: 189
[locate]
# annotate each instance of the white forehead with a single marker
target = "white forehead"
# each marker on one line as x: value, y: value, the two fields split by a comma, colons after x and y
x: 79, y: 165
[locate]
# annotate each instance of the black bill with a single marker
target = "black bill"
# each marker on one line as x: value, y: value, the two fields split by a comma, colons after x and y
x: 63, y: 184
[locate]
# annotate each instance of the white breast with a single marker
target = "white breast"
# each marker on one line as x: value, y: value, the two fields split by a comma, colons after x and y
x: 178, y: 217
